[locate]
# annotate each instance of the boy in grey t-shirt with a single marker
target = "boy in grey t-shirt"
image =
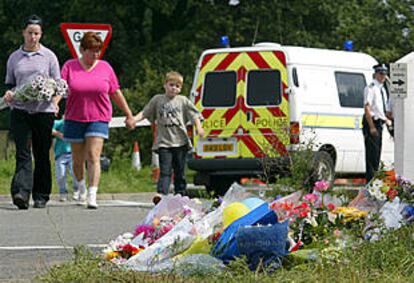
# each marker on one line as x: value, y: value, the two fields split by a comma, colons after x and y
x: 171, y: 112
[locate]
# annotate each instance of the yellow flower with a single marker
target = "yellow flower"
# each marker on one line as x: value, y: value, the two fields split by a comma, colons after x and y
x: 350, y: 213
x: 111, y: 255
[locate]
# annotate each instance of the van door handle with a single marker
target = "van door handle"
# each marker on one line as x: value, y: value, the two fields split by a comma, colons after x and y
x: 249, y: 116
x: 357, y: 122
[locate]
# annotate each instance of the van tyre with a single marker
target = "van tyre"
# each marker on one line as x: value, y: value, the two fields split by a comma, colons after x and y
x: 219, y: 185
x: 324, y: 168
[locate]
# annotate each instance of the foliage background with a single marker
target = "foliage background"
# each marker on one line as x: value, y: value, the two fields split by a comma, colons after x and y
x: 151, y: 37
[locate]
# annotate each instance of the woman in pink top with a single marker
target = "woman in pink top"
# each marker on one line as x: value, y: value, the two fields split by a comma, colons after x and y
x: 92, y: 83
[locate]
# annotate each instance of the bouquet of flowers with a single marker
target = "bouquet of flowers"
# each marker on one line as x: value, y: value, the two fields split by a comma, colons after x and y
x: 122, y: 248
x: 41, y: 88
x: 387, y: 185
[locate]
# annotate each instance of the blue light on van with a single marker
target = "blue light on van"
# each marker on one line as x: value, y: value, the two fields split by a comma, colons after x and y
x: 348, y: 45
x: 225, y: 41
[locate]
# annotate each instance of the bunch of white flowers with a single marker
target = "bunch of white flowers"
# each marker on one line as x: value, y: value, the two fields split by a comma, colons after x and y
x: 375, y: 190
x: 41, y: 88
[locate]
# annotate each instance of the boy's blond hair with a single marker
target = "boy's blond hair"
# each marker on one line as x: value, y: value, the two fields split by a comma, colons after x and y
x: 175, y: 77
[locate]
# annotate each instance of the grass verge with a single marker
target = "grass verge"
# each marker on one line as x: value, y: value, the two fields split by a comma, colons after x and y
x: 389, y: 260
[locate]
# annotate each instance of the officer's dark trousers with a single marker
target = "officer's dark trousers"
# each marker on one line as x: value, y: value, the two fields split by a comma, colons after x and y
x: 373, y: 145
x: 32, y: 131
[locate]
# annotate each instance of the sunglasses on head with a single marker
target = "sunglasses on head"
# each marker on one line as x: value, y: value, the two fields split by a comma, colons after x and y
x: 33, y: 21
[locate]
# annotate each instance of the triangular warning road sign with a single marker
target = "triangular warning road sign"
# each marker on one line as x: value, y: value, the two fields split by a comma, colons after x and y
x: 73, y: 33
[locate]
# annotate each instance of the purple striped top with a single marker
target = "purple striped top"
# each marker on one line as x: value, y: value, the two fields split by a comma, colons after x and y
x: 24, y: 66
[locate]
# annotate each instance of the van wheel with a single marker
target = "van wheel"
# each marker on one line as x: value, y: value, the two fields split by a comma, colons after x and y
x: 324, y: 168
x: 219, y: 185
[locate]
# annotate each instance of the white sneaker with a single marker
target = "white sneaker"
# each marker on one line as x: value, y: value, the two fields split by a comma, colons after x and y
x: 63, y: 197
x: 91, y: 201
x: 82, y: 194
x: 76, y: 195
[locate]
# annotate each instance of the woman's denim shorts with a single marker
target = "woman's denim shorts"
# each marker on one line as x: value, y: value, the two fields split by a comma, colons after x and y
x: 76, y: 132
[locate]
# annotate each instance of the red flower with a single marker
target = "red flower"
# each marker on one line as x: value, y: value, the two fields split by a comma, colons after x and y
x: 303, y: 205
x: 331, y: 206
x: 391, y: 193
x: 129, y: 250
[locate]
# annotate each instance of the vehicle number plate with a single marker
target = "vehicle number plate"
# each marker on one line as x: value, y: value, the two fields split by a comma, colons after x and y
x: 218, y: 147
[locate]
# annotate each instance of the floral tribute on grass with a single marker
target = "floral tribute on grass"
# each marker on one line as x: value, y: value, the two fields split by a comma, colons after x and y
x: 41, y: 88
x: 300, y: 225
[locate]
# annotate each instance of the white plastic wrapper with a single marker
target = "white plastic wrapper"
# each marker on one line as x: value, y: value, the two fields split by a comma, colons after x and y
x: 170, y: 206
x: 391, y: 213
x: 174, y: 242
x: 236, y: 193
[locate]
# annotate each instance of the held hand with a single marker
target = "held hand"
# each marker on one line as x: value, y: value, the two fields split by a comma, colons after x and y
x: 130, y: 122
x: 200, y: 132
x: 388, y: 122
x: 59, y: 135
x: 8, y: 96
x: 373, y: 131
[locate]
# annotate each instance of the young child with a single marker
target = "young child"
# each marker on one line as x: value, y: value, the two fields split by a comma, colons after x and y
x: 171, y: 112
x: 63, y: 160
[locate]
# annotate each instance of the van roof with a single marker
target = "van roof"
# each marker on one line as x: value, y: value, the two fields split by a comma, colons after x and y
x: 309, y: 56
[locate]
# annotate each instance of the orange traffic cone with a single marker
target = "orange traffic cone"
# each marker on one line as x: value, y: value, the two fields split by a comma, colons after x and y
x: 136, y: 159
x: 155, y: 163
x: 155, y: 167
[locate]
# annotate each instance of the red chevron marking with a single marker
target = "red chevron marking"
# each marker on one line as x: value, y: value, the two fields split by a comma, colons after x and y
x: 241, y: 74
x: 207, y: 112
x: 258, y: 60
x: 274, y: 141
x: 227, y: 61
x: 206, y: 59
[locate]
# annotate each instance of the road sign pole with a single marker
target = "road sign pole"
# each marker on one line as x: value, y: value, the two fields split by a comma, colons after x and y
x: 402, y: 91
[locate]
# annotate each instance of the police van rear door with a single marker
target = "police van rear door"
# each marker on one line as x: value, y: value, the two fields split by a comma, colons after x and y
x: 217, y: 94
x: 265, y: 113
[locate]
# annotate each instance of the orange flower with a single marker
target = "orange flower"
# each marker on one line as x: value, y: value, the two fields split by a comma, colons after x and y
x: 390, y: 178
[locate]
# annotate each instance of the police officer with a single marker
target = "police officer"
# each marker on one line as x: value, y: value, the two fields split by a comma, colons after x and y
x: 375, y: 101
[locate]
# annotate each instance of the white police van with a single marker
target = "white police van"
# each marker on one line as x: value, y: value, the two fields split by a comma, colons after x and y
x: 276, y: 96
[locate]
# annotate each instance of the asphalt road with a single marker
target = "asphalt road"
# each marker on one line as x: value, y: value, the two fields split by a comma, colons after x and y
x: 33, y: 240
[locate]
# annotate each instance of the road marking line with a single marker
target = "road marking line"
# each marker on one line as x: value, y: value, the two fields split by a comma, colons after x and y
x: 24, y: 248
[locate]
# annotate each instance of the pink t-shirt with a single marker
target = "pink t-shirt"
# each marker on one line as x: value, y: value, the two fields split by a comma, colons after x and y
x: 89, y: 91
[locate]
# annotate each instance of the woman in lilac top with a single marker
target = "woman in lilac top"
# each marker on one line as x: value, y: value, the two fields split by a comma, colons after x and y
x: 92, y: 83
x: 31, y: 122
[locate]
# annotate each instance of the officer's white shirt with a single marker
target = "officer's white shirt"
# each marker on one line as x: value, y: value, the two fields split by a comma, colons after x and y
x: 373, y: 97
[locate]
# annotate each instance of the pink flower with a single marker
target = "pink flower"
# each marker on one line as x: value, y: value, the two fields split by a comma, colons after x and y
x: 165, y: 229
x: 312, y: 198
x: 146, y: 229
x: 321, y: 186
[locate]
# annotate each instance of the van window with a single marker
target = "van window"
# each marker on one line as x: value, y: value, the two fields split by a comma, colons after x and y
x: 219, y: 89
x: 264, y: 87
x: 295, y: 77
x: 350, y: 89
